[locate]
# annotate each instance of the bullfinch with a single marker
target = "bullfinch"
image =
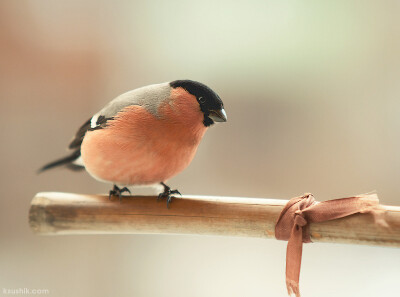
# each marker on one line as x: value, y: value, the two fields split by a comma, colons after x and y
x: 145, y: 136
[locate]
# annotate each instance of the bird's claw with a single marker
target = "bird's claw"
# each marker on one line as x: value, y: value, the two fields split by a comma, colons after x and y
x: 125, y: 189
x: 169, y: 200
x: 168, y: 193
x: 118, y: 192
x: 176, y: 192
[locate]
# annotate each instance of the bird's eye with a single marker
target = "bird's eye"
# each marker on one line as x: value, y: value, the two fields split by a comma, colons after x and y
x: 202, y: 99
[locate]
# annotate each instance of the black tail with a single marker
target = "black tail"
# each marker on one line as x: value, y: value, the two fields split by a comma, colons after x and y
x: 64, y: 161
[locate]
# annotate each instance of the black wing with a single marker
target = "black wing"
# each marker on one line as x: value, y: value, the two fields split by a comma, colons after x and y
x: 100, y: 124
x: 77, y: 141
x: 75, y: 145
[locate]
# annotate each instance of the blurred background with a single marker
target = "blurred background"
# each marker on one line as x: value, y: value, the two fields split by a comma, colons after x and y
x: 311, y: 90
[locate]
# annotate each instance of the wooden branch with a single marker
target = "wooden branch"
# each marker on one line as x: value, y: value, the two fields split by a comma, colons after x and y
x: 62, y: 213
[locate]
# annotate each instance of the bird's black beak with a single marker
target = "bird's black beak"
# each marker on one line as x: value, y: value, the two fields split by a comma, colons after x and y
x: 218, y: 115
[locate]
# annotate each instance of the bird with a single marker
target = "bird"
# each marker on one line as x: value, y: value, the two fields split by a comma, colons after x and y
x: 144, y: 136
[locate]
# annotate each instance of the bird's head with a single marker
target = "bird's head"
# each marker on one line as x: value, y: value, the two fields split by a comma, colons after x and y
x: 210, y: 103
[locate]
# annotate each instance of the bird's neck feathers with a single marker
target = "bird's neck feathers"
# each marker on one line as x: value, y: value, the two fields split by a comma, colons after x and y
x: 182, y: 109
x: 178, y: 119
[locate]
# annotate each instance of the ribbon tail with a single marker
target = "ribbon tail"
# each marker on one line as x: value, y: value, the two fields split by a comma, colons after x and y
x: 293, y: 260
x: 292, y: 287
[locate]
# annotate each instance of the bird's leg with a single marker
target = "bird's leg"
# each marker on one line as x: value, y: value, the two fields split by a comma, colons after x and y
x: 168, y: 193
x: 118, y: 192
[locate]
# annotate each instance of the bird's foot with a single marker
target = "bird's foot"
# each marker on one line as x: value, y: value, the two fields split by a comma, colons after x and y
x: 168, y: 193
x: 118, y: 192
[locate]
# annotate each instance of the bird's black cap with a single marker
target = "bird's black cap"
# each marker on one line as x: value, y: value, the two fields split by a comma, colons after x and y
x: 210, y: 102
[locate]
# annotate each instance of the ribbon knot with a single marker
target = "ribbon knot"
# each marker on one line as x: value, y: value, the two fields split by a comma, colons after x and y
x: 295, y: 218
x: 299, y: 219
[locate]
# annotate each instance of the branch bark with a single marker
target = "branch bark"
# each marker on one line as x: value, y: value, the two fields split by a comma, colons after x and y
x: 63, y: 213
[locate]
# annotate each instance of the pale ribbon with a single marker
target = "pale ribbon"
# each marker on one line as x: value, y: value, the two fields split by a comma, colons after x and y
x: 299, y: 212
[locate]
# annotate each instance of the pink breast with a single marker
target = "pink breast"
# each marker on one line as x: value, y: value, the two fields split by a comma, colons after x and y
x: 138, y: 148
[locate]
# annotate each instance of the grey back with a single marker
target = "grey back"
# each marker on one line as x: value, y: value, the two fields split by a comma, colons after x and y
x: 148, y: 97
